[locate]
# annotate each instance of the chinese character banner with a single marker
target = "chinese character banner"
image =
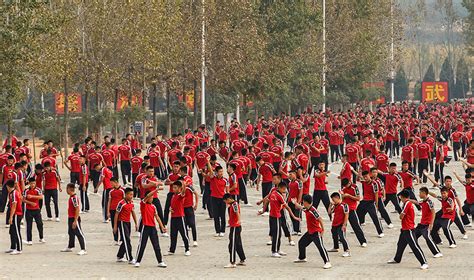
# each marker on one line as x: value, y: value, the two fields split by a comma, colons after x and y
x: 435, y: 92
x: 74, y: 102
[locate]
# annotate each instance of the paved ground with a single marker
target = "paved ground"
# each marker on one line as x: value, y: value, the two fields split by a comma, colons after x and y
x: 207, y: 260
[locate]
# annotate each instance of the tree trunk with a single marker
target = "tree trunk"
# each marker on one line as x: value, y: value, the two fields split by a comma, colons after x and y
x: 97, y: 100
x: 66, y: 118
x: 116, y: 96
x: 168, y: 113
x: 10, y: 129
x: 155, y: 125
x: 195, y: 120
x: 86, y: 108
x: 144, y: 127
x: 185, y: 126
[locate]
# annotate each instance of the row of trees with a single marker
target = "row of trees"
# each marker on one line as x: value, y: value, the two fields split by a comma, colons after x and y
x: 265, y: 52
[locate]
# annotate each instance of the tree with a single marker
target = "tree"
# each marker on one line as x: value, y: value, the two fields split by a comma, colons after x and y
x: 469, y: 27
x: 447, y: 75
x: 401, y: 85
x: 429, y: 74
x: 462, y: 80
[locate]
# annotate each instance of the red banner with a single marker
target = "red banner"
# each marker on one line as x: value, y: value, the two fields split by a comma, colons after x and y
x: 74, y: 102
x: 380, y: 100
x: 189, y: 99
x: 435, y: 92
x: 123, y: 100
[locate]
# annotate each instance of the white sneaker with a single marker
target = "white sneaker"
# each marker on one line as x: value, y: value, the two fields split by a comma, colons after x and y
x: 269, y: 243
x: 299, y: 233
x: 468, y: 225
x: 453, y: 246
x: 221, y: 234
x: 137, y: 264
x: 381, y: 235
x: 82, y: 253
x: 165, y: 234
x: 390, y: 226
x: 66, y: 250
x: 42, y: 241
x: 49, y: 219
x: 439, y: 255
x: 169, y: 253
x: 363, y: 224
x: 217, y: 235
x: 248, y: 205
x: 333, y: 250
x: 282, y: 253
x: 57, y: 220
x: 265, y: 214
x: 327, y: 265
x: 195, y: 244
x: 241, y: 263
x: 391, y: 261
x: 7, y: 226
x: 121, y: 260
x: 162, y: 265
x: 424, y: 266
x: 187, y: 253
x: 9, y: 251
x: 464, y: 236
x: 363, y: 245
x: 105, y: 221
x: 292, y: 243
x: 231, y: 265
x: 116, y: 243
x: 346, y: 254
x: 15, y: 252
x: 29, y: 243
x: 138, y: 234
x: 300, y: 261
x: 81, y: 212
x: 132, y: 261
x: 276, y: 255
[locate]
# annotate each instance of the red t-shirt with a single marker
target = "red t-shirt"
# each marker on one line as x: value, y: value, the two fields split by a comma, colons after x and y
x: 426, y: 214
x: 446, y: 205
x: 106, y: 174
x: 382, y: 162
x: 366, y: 164
x: 115, y: 196
x: 109, y: 157
x: 218, y: 187
x: 124, y: 209
x: 266, y: 171
x: 340, y: 212
x: 234, y: 210
x: 74, y: 160
x: 50, y: 180
x: 319, y: 182
x: 294, y: 189
x: 351, y: 152
x: 201, y: 159
x: 369, y: 191
x: 73, y: 202
x: 277, y: 201
x: 189, y: 197
x: 14, y: 196
x: 94, y: 159
x: 136, y: 162
x: 408, y: 221
x: 407, y: 153
x: 354, y: 191
x: 35, y: 191
x: 148, y: 214
x: 469, y: 193
x: 423, y: 151
x: 312, y: 220
x: 391, y: 182
x: 125, y: 152
x: 177, y: 205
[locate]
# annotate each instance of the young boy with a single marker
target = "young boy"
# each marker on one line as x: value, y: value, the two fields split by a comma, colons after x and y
x: 407, y: 233
x: 31, y: 197
x: 350, y: 196
x: 74, y: 221
x: 84, y: 184
x: 51, y: 186
x: 427, y: 221
x: 122, y: 225
x: 191, y: 199
x: 105, y: 175
x: 177, y: 223
x: 116, y: 195
x: 339, y: 223
x: 14, y: 218
x: 448, y: 208
x: 149, y: 215
x: 315, y: 228
x: 235, y: 240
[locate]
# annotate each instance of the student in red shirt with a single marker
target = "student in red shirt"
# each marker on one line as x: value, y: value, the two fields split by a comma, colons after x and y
x: 177, y: 223
x: 315, y: 229
x: 407, y: 233
x: 350, y: 196
x: 116, y: 194
x: 52, y: 184
x: 31, y: 197
x: 427, y: 220
x: 122, y: 225
x: 124, y: 156
x: 149, y: 216
x: 424, y: 156
x: 218, y: 185
x: 369, y: 202
x: 191, y: 199
x: 84, y: 184
x: 72, y: 163
x: 468, y: 207
x: 320, y: 192
x: 74, y: 222
x: 235, y: 239
x: 136, y: 163
x: 14, y: 218
x: 448, y: 208
x: 339, y: 224
x: 265, y: 173
x: 104, y: 179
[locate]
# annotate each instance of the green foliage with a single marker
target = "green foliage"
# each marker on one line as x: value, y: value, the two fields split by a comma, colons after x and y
x: 417, y: 93
x: 462, y: 80
x: 37, y: 119
x: 401, y: 85
x: 430, y: 74
x: 132, y: 114
x: 469, y: 28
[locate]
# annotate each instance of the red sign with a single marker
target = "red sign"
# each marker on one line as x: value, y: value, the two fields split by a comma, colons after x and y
x: 374, y: 85
x: 74, y: 102
x: 435, y: 92
x: 380, y: 100
x: 189, y: 99
x: 123, y: 100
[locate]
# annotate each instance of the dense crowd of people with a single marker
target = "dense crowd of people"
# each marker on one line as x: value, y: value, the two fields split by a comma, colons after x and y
x: 279, y: 156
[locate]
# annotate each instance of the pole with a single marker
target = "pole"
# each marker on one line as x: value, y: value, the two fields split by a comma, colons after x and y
x: 324, y: 55
x: 392, y: 57
x: 203, y: 67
